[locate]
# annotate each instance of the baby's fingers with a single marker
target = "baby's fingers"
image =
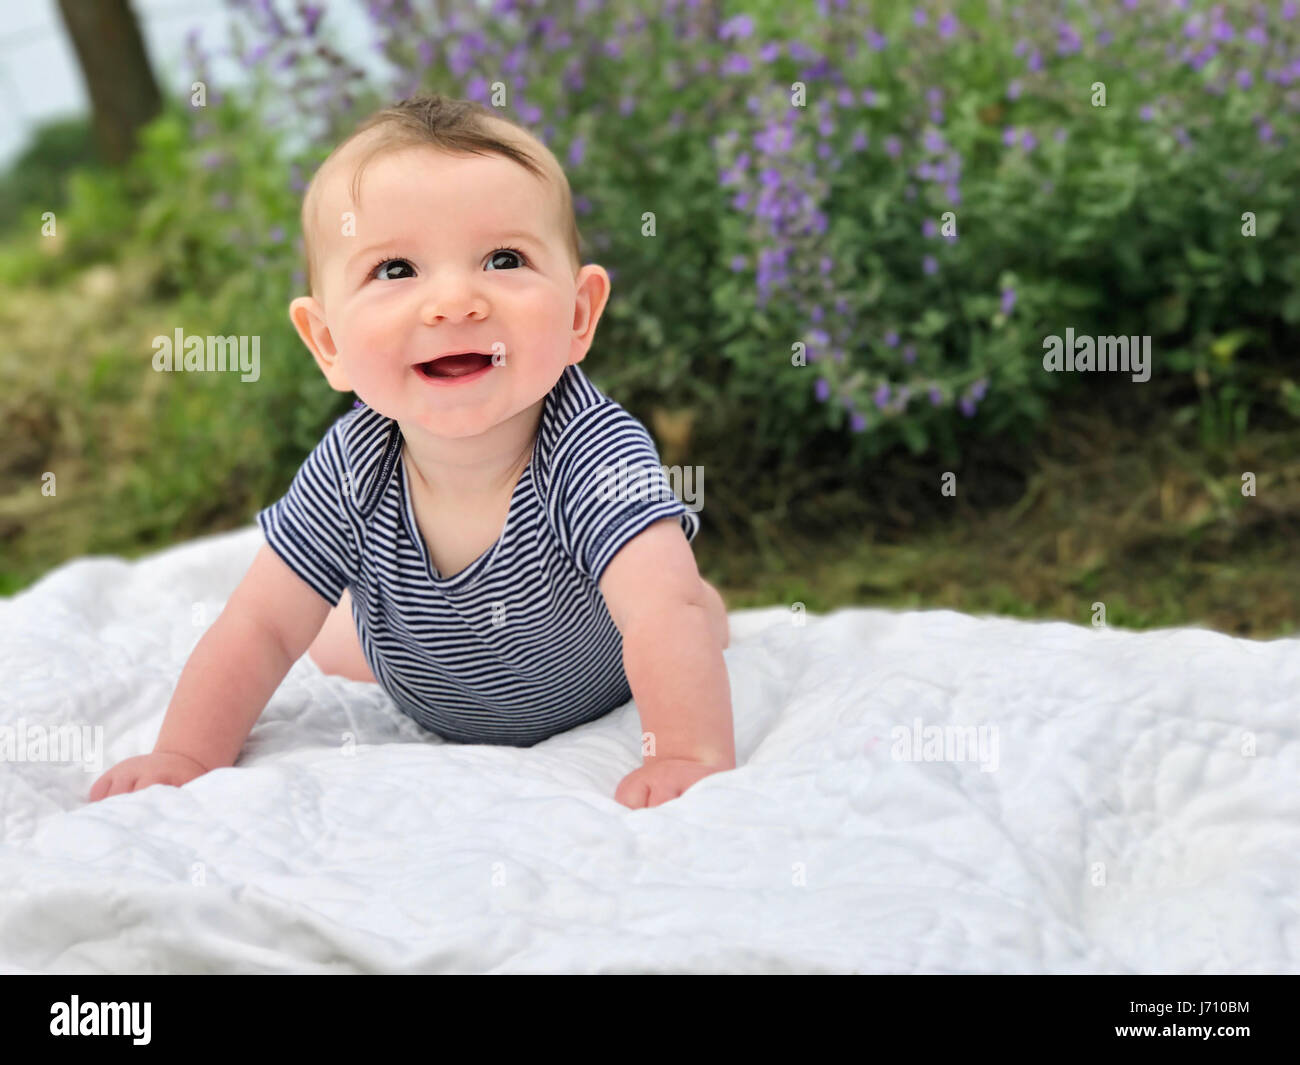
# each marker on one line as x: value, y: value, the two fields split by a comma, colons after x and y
x: 122, y: 783
x: 103, y: 787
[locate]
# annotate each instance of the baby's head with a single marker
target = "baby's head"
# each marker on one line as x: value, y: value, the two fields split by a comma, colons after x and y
x: 438, y: 226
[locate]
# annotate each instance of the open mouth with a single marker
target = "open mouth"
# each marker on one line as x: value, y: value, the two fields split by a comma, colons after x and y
x: 451, y: 366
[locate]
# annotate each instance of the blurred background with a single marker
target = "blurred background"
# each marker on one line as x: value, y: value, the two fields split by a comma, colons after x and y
x: 868, y: 218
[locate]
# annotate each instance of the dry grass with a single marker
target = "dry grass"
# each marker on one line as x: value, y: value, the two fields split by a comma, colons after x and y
x: 1140, y: 521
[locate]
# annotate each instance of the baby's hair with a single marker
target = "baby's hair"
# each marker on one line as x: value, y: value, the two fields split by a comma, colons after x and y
x: 454, y: 126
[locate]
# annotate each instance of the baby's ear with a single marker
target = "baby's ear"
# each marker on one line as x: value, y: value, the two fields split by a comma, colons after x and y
x: 308, y: 317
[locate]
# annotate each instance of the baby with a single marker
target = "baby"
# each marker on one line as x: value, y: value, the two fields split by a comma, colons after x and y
x: 454, y: 538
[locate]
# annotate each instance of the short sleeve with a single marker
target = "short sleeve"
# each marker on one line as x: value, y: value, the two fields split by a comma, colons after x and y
x: 309, y: 526
x: 607, y: 486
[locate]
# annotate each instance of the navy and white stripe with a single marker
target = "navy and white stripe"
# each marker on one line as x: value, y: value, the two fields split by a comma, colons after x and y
x: 519, y: 645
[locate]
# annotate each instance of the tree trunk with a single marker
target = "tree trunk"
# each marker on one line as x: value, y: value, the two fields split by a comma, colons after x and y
x: 123, y: 92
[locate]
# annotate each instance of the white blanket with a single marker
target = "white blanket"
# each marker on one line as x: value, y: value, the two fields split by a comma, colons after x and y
x: 1130, y: 804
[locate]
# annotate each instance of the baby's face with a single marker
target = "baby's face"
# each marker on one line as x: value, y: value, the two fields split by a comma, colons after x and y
x: 425, y: 269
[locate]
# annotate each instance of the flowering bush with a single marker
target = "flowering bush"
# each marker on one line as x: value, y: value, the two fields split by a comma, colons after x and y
x: 913, y: 195
x: 800, y: 171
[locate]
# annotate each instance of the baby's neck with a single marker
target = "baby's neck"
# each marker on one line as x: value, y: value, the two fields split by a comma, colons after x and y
x: 470, y: 469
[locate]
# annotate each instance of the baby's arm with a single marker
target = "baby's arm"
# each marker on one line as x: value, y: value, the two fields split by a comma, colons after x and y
x: 673, y: 660
x: 267, y: 624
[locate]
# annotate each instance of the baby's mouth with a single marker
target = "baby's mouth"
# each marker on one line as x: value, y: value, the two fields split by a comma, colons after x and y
x: 455, y: 365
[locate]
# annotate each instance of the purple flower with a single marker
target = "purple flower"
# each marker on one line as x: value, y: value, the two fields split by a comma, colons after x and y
x: 947, y: 26
x: 928, y: 228
x: 978, y: 389
x: 882, y: 396
x: 893, y: 147
x: 909, y: 354
x: 1068, y: 40
x: 1289, y: 9
x: 875, y: 41
x: 275, y: 234
x: 739, y: 27
x: 858, y: 423
x: 891, y: 338
x: 311, y: 14
x: 1009, y: 136
x: 737, y: 263
x: 1036, y: 61
x: 967, y: 407
x: 1008, y: 300
x: 823, y: 390
x: 1146, y: 113
x: 769, y: 51
x: 919, y: 16
x: 929, y: 264
x: 1244, y: 79
x: 1029, y: 142
x: 868, y: 97
x: 859, y: 141
x: 577, y: 150
x: 1013, y: 90
x: 936, y: 397
x: 736, y: 63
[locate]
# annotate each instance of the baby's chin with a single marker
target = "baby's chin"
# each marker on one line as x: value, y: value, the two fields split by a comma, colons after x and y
x: 451, y: 424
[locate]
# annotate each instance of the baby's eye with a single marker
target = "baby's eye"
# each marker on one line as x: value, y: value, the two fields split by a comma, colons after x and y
x: 381, y: 267
x: 505, y: 251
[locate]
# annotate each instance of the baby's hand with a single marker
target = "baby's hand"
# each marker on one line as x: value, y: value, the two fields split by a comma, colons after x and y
x: 143, y: 770
x: 661, y: 780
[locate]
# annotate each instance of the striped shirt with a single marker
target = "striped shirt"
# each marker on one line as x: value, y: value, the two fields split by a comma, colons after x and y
x: 519, y: 645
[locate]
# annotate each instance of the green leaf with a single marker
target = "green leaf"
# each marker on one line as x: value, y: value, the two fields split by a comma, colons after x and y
x: 1202, y: 260
x: 1253, y: 268
x: 914, y: 436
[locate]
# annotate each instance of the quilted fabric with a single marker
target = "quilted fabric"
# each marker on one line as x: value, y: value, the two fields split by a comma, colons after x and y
x: 1133, y: 806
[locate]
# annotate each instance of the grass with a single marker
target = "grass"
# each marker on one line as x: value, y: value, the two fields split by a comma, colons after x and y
x: 1141, y: 520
